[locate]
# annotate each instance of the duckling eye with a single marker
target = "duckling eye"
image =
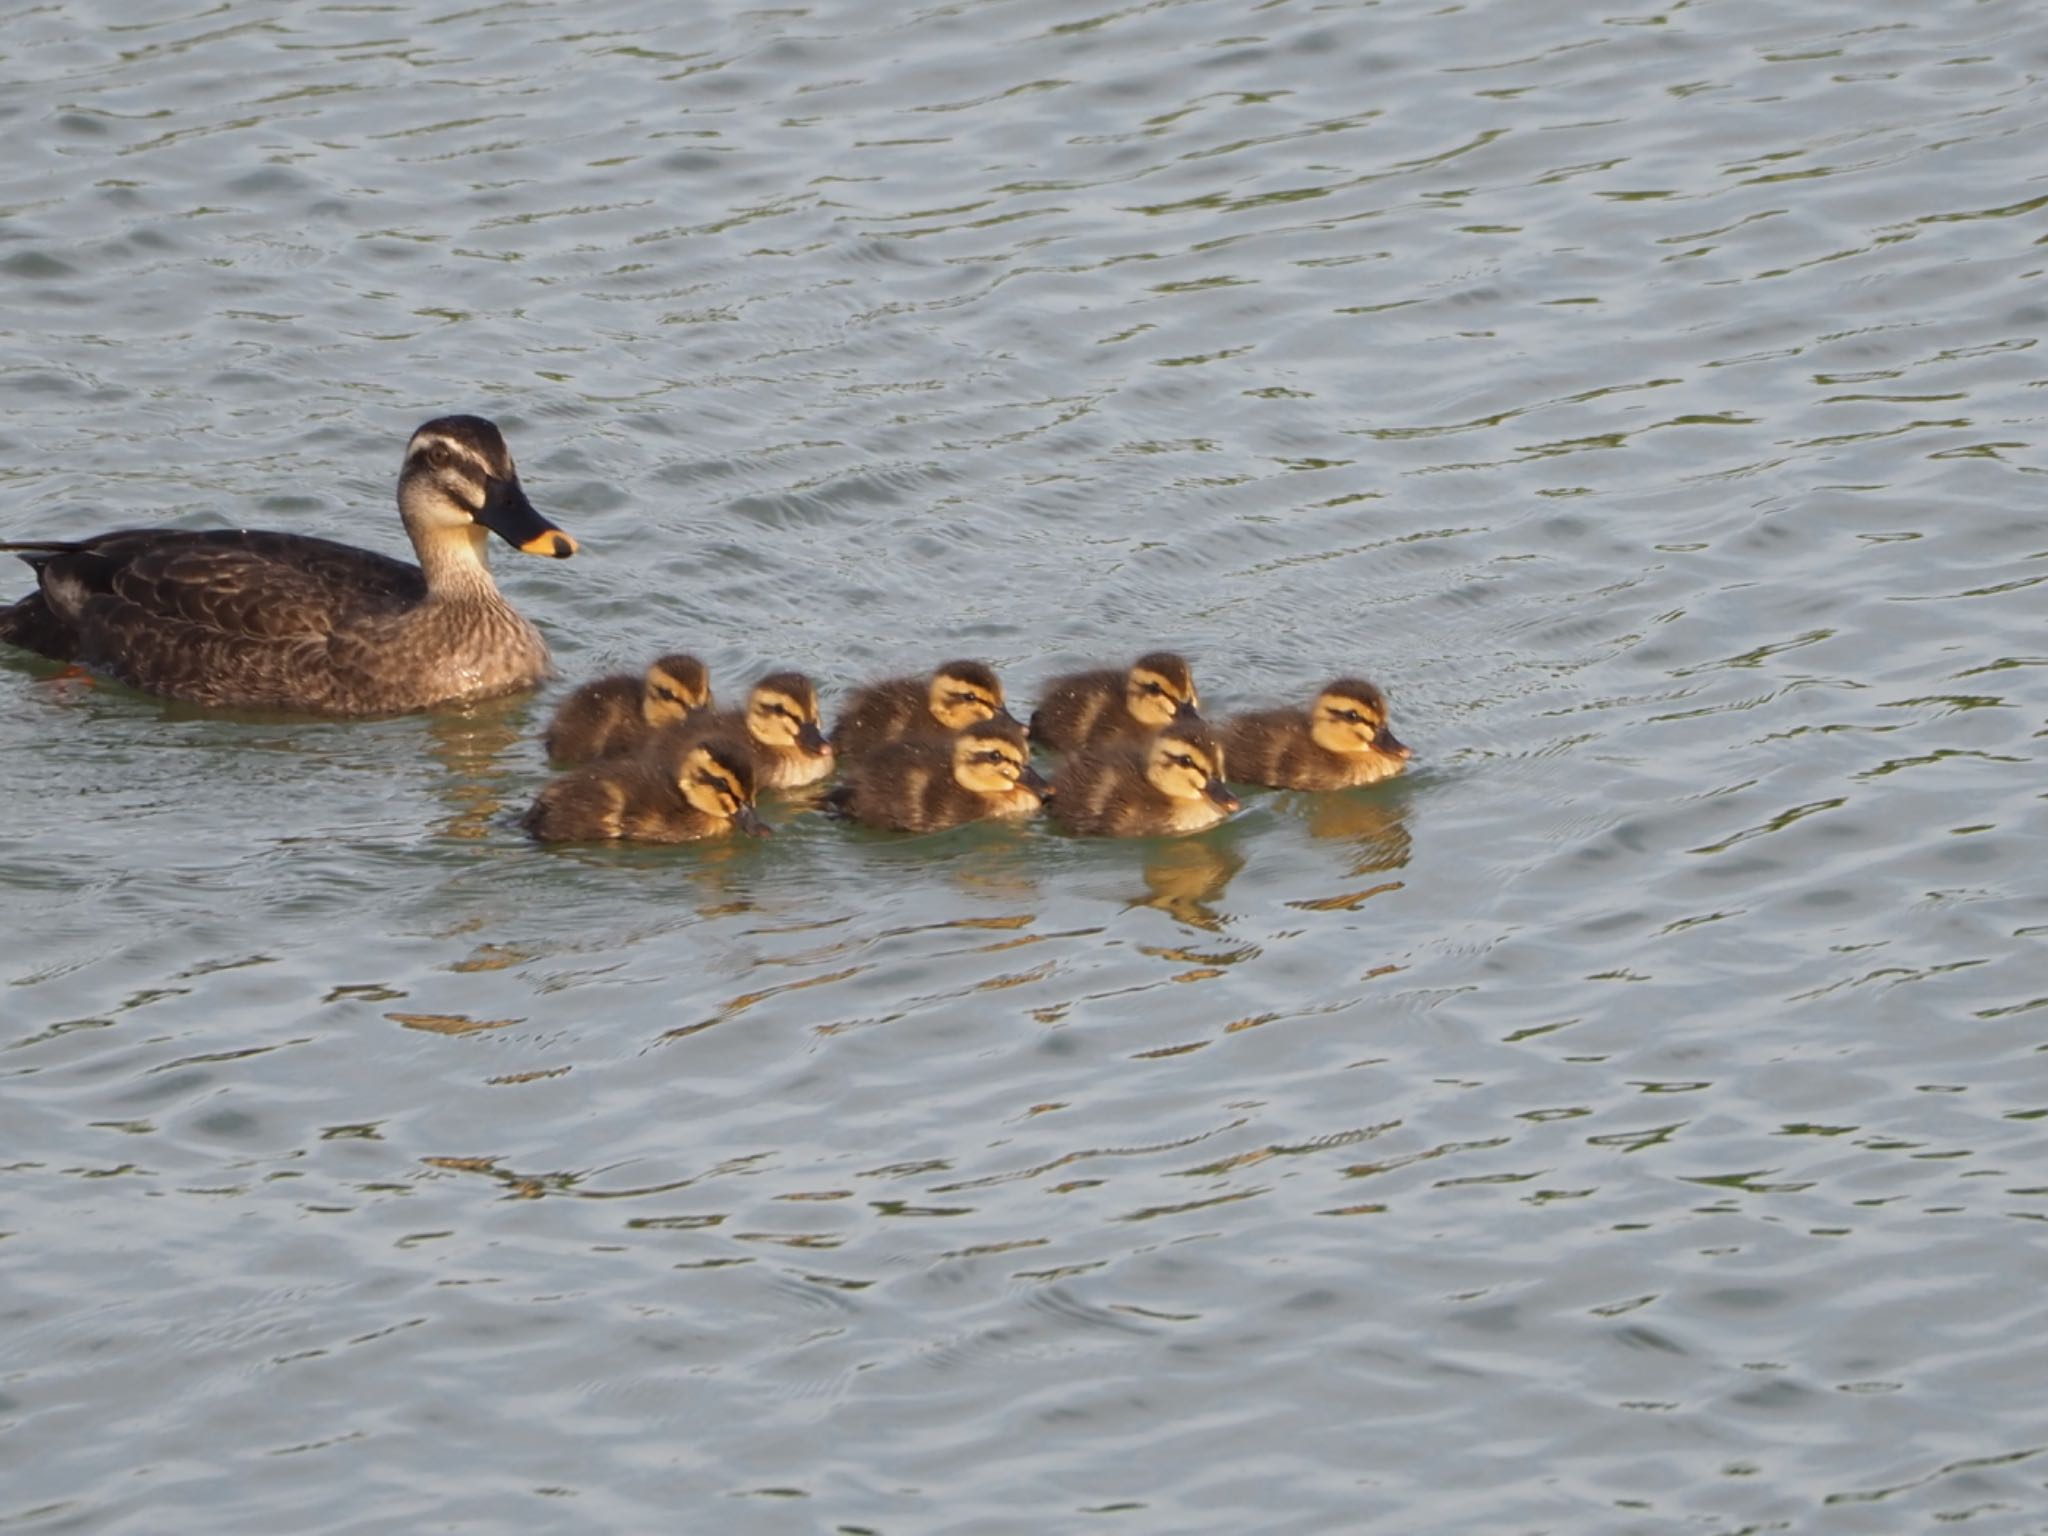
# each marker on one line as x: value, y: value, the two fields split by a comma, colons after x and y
x: 1185, y: 761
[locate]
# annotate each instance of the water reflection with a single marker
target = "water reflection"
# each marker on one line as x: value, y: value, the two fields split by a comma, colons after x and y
x: 472, y: 744
x: 1374, y: 823
x: 1182, y: 350
x: 1000, y: 869
x: 1185, y: 878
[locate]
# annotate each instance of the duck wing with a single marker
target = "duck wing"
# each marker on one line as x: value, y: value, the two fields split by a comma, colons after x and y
x: 216, y: 616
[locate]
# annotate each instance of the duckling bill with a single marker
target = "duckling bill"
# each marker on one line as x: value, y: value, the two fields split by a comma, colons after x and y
x: 671, y: 791
x: 1172, y: 783
x: 957, y: 695
x: 287, y: 621
x: 621, y: 712
x: 982, y: 773
x: 1340, y: 741
x: 1084, y: 709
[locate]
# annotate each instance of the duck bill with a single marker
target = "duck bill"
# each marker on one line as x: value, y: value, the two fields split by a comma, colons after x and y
x: 508, y: 514
x: 750, y: 823
x: 1004, y: 717
x: 1187, y: 711
x: 1034, y: 781
x: 1391, y: 745
x: 812, y: 740
x: 1216, y: 790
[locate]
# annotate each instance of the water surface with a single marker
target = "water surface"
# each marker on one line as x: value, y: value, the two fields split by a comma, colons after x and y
x: 1629, y: 1121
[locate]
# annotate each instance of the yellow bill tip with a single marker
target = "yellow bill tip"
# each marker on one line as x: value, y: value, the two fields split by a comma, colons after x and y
x: 554, y: 543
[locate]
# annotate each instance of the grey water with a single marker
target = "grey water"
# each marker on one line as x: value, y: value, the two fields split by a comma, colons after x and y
x: 1631, y: 1120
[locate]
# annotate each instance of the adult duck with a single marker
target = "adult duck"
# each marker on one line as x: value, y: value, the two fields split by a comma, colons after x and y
x: 284, y: 621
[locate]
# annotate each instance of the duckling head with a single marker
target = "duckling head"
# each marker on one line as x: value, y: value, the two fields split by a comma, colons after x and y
x: 674, y: 689
x: 1185, y: 762
x: 963, y: 692
x: 1350, y: 716
x: 717, y: 778
x: 782, y: 712
x: 1160, y: 689
x: 458, y: 477
x: 991, y: 757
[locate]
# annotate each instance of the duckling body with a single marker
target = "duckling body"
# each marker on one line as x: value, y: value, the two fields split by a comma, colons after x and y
x: 621, y: 713
x: 955, y: 696
x: 779, y: 725
x: 670, y: 791
x: 1172, y: 783
x: 262, y: 620
x: 922, y: 784
x: 1341, y: 740
x: 1083, y: 709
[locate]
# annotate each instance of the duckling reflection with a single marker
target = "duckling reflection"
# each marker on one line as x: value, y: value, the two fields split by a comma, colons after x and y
x: 1376, y: 826
x: 1184, y: 878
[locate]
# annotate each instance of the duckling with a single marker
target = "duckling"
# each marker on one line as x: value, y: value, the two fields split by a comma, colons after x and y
x: 955, y: 696
x: 255, y: 620
x: 670, y: 791
x: 780, y: 724
x: 620, y: 712
x: 922, y: 785
x: 1084, y: 708
x: 1339, y: 741
x: 1173, y: 783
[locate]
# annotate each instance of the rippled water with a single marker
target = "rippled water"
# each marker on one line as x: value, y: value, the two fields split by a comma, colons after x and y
x: 1630, y: 1121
